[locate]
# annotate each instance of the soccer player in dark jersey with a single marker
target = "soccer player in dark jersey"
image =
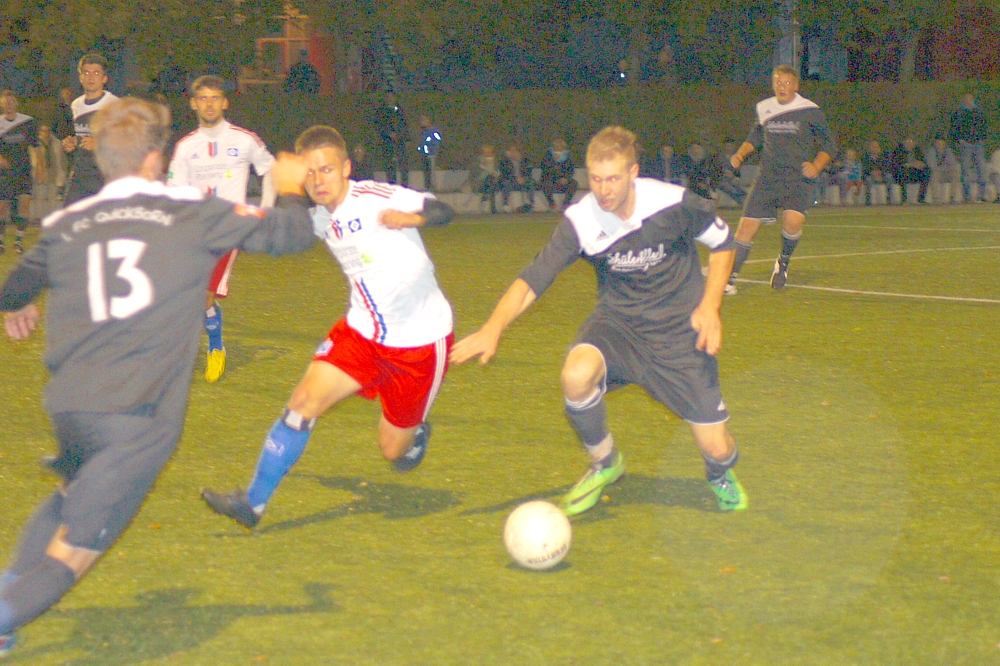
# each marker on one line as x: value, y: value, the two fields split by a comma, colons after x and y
x: 84, y: 176
x: 18, y: 134
x: 126, y: 271
x: 797, y: 147
x: 656, y: 323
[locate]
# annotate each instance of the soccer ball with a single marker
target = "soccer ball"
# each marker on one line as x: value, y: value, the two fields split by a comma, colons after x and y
x: 537, y: 535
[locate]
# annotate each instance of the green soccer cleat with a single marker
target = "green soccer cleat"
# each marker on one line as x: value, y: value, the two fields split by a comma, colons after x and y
x: 587, y: 491
x: 729, y: 492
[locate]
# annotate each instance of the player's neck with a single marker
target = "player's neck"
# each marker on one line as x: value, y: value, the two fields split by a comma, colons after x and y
x: 207, y: 125
x: 627, y: 209
x: 93, y: 96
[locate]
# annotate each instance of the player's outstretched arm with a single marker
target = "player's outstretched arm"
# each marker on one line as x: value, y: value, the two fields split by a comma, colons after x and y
x: 705, y: 319
x: 483, y: 343
x: 434, y: 214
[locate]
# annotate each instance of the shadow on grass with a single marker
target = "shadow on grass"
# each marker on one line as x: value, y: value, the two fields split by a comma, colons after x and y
x: 162, y: 625
x: 630, y: 489
x: 392, y: 500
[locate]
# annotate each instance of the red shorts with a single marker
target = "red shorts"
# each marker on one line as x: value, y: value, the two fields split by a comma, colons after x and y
x: 219, y: 284
x: 407, y: 379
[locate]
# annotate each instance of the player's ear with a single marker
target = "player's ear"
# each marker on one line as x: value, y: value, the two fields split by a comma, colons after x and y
x: 633, y: 171
x: 225, y: 103
x: 193, y: 106
x: 348, y: 167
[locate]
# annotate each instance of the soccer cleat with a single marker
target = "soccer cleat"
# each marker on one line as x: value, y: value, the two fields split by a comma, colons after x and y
x: 729, y: 492
x: 216, y: 365
x: 731, y: 289
x: 234, y: 504
x: 587, y: 491
x: 412, y: 458
x: 779, y: 276
x: 7, y: 643
x: 18, y: 248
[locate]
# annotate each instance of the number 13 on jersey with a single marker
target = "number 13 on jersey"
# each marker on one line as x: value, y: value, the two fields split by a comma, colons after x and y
x: 140, y: 294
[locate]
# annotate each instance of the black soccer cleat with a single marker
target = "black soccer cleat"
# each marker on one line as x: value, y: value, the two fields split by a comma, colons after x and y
x: 412, y: 458
x: 233, y: 504
x: 780, y: 274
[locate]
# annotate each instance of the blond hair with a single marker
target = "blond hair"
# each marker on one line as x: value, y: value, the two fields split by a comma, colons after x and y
x: 125, y: 132
x: 612, y: 142
x: 785, y: 69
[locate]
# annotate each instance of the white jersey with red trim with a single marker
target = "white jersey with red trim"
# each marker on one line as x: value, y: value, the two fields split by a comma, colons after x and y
x: 395, y: 298
x: 217, y: 161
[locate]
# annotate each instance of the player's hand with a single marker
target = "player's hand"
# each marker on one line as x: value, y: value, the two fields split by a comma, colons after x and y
x: 736, y: 161
x: 20, y: 324
x: 69, y: 144
x: 397, y: 219
x: 706, y: 321
x: 289, y: 173
x: 482, y: 343
x: 87, y: 142
x: 809, y: 170
x: 3, y: 162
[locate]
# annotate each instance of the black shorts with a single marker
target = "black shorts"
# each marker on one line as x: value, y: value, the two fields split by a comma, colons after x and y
x: 681, y: 377
x: 14, y: 184
x: 109, y: 463
x: 772, y: 193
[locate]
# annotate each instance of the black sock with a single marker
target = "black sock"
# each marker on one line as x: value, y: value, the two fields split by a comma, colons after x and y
x: 788, y: 245
x: 716, y: 469
x: 742, y: 252
x: 35, y: 592
x: 589, y: 418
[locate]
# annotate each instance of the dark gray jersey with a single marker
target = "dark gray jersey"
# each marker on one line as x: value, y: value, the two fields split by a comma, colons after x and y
x: 790, y: 134
x: 85, y: 171
x: 648, y: 272
x: 127, y: 270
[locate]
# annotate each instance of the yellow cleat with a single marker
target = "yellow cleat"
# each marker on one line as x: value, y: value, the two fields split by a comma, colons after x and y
x: 216, y: 365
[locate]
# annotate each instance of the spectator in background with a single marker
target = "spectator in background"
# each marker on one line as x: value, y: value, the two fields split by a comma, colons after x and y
x: 515, y: 176
x: 391, y: 123
x: 968, y: 131
x: 663, y: 165
x: 302, y: 76
x: 731, y: 177
x: 430, y: 142
x: 910, y: 167
x: 50, y: 173
x: 361, y: 164
x: 875, y: 168
x: 995, y: 173
x: 485, y: 174
x: 703, y: 171
x: 945, y: 169
x: 18, y: 139
x: 850, y: 176
x: 557, y: 174
x: 63, y: 124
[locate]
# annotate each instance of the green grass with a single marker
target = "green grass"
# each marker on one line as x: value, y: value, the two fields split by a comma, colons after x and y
x: 867, y: 424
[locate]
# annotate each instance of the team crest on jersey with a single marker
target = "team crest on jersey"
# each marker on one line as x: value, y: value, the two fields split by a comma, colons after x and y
x: 324, y: 348
x: 354, y: 225
x: 233, y: 152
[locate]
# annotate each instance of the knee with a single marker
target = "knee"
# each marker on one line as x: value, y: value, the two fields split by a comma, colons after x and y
x: 579, y: 379
x: 75, y: 558
x: 305, y: 402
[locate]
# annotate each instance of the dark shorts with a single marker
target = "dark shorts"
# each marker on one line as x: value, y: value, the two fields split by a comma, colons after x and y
x: 683, y: 378
x: 773, y: 193
x: 109, y: 463
x: 14, y: 184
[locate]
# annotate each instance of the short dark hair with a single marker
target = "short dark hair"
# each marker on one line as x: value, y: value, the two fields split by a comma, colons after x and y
x: 321, y: 136
x: 92, y: 59
x: 125, y: 132
x: 210, y: 81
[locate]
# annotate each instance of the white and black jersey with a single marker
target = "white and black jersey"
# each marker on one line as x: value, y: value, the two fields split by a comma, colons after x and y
x: 17, y: 135
x: 127, y: 271
x: 648, y: 271
x: 86, y: 177
x: 790, y: 134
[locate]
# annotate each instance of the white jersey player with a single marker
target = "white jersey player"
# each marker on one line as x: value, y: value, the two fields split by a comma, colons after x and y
x: 392, y: 344
x: 216, y: 158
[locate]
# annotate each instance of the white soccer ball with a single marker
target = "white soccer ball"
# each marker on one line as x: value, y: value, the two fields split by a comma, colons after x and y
x: 537, y: 535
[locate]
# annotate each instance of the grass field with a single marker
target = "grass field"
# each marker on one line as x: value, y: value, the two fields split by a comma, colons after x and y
x: 868, y: 429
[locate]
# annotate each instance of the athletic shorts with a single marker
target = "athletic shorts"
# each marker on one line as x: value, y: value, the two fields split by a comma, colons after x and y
x: 13, y: 184
x: 681, y: 377
x: 109, y: 463
x: 407, y: 379
x: 219, y: 283
x: 771, y: 194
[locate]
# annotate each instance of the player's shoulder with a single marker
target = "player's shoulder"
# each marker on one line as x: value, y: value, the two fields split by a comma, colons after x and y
x: 770, y: 108
x: 185, y: 141
x: 122, y: 190
x: 243, y: 132
x: 374, y: 191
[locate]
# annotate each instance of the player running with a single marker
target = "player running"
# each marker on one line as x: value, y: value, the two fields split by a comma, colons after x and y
x: 126, y: 272
x: 791, y: 129
x: 394, y: 341
x: 18, y: 135
x: 216, y: 159
x: 85, y: 178
x: 656, y: 323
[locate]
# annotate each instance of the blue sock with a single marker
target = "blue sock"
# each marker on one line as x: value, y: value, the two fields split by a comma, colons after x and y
x: 6, y: 618
x: 285, y: 443
x: 6, y: 578
x: 213, y: 326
